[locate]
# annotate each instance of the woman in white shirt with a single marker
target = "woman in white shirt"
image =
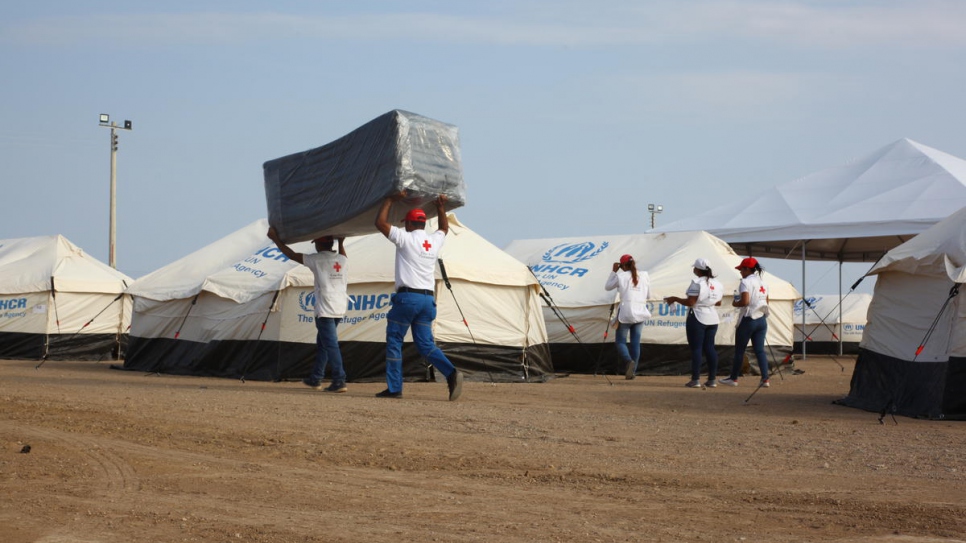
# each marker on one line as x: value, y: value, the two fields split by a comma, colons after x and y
x: 752, y: 320
x: 704, y: 293
x: 634, y: 288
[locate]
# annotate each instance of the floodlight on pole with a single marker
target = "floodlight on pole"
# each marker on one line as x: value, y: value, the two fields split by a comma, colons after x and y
x: 105, y: 121
x: 654, y: 209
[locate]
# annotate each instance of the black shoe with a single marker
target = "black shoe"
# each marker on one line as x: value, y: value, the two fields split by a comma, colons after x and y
x: 387, y: 394
x: 455, y: 384
x: 317, y: 385
x: 337, y: 388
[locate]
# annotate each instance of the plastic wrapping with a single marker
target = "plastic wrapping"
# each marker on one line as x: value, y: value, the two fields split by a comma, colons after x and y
x: 337, y: 189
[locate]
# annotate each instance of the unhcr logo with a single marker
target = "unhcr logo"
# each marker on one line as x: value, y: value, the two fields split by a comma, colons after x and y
x: 558, y: 262
x: 574, y: 252
x: 307, y: 301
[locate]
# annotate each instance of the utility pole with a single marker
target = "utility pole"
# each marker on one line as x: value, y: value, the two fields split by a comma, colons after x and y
x: 105, y: 121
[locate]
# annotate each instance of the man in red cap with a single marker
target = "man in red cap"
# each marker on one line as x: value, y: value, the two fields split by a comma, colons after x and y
x: 414, y: 303
x: 331, y: 302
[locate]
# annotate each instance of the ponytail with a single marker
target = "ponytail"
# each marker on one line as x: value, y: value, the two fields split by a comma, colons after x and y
x: 632, y: 267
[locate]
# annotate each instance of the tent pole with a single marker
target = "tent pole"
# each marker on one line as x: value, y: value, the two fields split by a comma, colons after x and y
x: 841, y: 325
x: 804, y: 339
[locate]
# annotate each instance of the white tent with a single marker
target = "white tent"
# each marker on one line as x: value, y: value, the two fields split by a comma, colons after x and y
x: 240, y: 308
x: 58, y: 302
x: 913, y: 357
x: 828, y: 322
x: 850, y: 213
x: 573, y: 272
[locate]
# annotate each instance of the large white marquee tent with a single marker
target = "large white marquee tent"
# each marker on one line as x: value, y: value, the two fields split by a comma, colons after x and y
x: 573, y: 272
x: 855, y: 212
x: 58, y: 302
x: 239, y: 308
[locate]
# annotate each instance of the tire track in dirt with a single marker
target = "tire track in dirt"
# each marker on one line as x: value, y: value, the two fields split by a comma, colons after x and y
x: 115, y: 475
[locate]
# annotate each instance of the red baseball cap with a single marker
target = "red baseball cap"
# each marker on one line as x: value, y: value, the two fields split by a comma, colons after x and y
x: 416, y: 215
x: 749, y: 263
x: 626, y: 258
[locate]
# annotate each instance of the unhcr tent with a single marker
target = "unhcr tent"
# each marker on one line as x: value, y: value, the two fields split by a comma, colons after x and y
x: 827, y: 322
x: 573, y: 271
x: 913, y: 355
x: 58, y: 302
x: 240, y: 308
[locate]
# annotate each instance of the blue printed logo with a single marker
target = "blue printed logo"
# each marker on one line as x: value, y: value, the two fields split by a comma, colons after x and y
x: 574, y: 252
x: 307, y: 301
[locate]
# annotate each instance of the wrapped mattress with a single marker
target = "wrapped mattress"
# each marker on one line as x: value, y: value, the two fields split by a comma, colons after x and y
x: 337, y: 189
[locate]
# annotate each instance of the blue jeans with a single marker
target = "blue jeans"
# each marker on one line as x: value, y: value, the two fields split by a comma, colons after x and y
x: 327, y: 351
x: 631, y: 354
x: 701, y: 339
x: 755, y: 331
x: 419, y: 311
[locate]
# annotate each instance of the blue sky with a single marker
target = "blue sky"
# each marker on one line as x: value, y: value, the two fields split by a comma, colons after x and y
x: 573, y: 115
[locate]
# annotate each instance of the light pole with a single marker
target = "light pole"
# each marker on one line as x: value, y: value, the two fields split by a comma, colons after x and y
x: 654, y: 209
x: 105, y: 120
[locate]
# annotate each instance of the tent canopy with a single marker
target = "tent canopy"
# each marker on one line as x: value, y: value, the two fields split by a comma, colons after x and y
x: 850, y: 213
x: 229, y: 269
x: 28, y: 264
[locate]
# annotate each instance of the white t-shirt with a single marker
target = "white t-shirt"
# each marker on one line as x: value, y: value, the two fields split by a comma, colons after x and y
x: 416, y: 257
x: 709, y: 292
x: 633, y: 307
x: 757, y: 297
x: 331, y: 282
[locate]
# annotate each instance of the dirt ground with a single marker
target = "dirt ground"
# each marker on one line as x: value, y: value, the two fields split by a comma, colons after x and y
x: 126, y: 457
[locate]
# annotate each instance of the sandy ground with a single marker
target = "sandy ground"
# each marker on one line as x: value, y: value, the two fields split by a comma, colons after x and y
x: 127, y: 457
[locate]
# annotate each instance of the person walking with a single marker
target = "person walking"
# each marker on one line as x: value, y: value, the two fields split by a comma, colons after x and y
x: 752, y: 299
x: 414, y: 302
x: 634, y: 288
x: 329, y: 270
x: 703, y: 295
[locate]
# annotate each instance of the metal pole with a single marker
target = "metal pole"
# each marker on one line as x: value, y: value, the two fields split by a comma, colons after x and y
x: 652, y: 220
x: 112, y: 257
x: 804, y: 297
x: 841, y: 324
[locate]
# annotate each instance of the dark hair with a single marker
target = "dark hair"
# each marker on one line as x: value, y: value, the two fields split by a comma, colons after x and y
x: 705, y: 273
x: 758, y: 269
x: 632, y: 267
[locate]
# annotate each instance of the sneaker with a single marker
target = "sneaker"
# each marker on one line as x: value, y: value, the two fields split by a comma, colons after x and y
x: 764, y: 383
x: 710, y: 383
x: 629, y: 374
x: 693, y: 383
x: 336, y: 388
x: 311, y: 383
x: 455, y: 384
x: 728, y: 382
x: 387, y: 394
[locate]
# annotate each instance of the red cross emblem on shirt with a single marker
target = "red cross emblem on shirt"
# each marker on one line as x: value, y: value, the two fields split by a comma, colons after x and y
x: 337, y: 267
x: 427, y: 245
x: 711, y: 287
x: 761, y: 289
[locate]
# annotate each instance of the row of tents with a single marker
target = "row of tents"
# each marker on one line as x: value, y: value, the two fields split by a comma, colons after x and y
x: 238, y: 308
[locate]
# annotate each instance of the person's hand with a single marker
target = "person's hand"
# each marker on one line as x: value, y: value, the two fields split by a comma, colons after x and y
x: 272, y: 233
x: 341, y: 239
x: 441, y: 200
x: 617, y: 266
x: 398, y: 196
